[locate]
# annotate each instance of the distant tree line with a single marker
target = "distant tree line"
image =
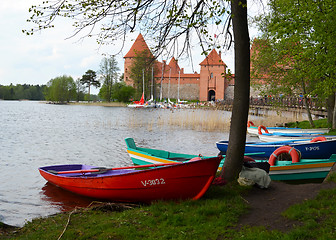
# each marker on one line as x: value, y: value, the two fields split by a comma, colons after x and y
x: 25, y: 91
x: 63, y: 89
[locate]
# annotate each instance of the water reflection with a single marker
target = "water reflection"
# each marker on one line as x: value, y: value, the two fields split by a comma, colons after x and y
x: 61, y: 199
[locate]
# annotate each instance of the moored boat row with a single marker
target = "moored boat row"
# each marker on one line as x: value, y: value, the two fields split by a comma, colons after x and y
x: 254, y: 130
x: 171, y: 176
x: 279, y: 170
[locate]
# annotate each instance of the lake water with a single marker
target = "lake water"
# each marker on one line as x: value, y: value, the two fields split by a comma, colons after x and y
x: 34, y: 134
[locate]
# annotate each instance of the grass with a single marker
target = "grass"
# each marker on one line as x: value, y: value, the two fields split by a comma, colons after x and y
x: 215, y: 216
x: 320, y: 123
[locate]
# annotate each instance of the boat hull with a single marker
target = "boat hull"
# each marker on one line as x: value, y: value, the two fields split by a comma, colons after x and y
x: 136, y: 105
x: 180, y: 181
x: 303, y: 170
x: 308, y: 150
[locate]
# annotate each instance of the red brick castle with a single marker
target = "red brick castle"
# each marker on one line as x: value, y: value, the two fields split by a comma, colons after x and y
x: 210, y: 84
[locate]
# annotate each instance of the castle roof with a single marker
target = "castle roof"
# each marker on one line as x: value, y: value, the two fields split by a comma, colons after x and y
x: 213, y: 59
x: 173, y: 64
x: 138, y: 46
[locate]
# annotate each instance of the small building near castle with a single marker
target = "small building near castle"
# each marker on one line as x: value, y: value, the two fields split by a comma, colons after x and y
x: 211, y: 83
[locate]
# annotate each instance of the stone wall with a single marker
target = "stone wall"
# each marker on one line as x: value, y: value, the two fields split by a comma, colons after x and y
x: 229, y: 92
x: 187, y: 91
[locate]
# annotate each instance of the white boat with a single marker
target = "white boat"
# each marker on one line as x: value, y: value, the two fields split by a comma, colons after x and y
x: 253, y: 130
x: 272, y: 137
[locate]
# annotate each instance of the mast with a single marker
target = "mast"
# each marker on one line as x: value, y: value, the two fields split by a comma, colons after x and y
x: 169, y: 85
x: 161, y: 81
x: 152, y: 86
x: 143, y: 82
x: 178, y: 88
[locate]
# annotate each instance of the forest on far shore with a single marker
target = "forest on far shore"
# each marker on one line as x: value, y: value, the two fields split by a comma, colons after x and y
x: 25, y: 91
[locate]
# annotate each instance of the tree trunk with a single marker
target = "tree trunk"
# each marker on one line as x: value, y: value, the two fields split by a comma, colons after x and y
x: 310, y: 119
x: 330, y: 107
x: 305, y: 102
x: 235, y: 153
x: 334, y: 115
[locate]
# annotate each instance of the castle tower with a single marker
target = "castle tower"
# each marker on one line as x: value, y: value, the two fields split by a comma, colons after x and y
x: 138, y: 46
x: 213, y: 82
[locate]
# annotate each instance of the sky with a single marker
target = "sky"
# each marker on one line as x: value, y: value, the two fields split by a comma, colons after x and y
x: 51, y: 53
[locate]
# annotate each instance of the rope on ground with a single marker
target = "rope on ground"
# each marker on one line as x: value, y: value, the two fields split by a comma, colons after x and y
x: 95, y: 205
x: 67, y: 224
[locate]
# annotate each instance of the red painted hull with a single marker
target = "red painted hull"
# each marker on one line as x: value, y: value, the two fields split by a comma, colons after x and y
x: 182, y: 181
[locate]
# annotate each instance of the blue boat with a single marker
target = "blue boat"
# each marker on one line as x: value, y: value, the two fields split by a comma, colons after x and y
x: 308, y: 149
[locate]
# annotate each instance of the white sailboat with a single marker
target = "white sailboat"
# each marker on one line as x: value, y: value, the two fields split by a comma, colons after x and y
x: 141, y: 103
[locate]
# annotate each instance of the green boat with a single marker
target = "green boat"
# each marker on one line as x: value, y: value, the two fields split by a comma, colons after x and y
x: 144, y: 156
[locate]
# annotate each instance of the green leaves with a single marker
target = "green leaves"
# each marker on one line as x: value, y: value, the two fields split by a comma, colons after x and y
x: 61, y: 89
x: 301, y: 34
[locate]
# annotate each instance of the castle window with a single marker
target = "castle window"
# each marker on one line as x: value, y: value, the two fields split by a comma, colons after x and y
x: 211, y: 75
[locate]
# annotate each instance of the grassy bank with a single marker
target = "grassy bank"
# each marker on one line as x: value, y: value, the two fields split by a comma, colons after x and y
x: 320, y: 123
x: 215, y: 216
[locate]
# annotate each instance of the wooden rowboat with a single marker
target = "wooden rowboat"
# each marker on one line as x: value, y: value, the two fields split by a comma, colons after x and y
x: 171, y: 181
x: 305, y: 169
x: 254, y: 130
x: 273, y: 137
x: 296, y: 168
x: 141, y: 156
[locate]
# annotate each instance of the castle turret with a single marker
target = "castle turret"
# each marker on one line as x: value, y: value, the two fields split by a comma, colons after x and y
x: 212, y: 77
x: 138, y: 46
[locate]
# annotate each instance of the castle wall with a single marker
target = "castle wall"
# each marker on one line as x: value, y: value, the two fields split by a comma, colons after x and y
x: 229, y: 92
x: 186, y: 91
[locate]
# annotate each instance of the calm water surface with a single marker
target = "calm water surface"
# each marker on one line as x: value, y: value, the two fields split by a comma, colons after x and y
x: 35, y: 134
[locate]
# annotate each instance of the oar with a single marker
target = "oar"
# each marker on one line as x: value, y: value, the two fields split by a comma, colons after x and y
x: 108, y: 169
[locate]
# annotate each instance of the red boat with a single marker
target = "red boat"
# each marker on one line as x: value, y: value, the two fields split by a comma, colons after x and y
x: 188, y: 180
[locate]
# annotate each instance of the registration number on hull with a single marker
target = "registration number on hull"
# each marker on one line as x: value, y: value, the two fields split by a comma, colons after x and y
x: 313, y: 148
x: 153, y: 182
